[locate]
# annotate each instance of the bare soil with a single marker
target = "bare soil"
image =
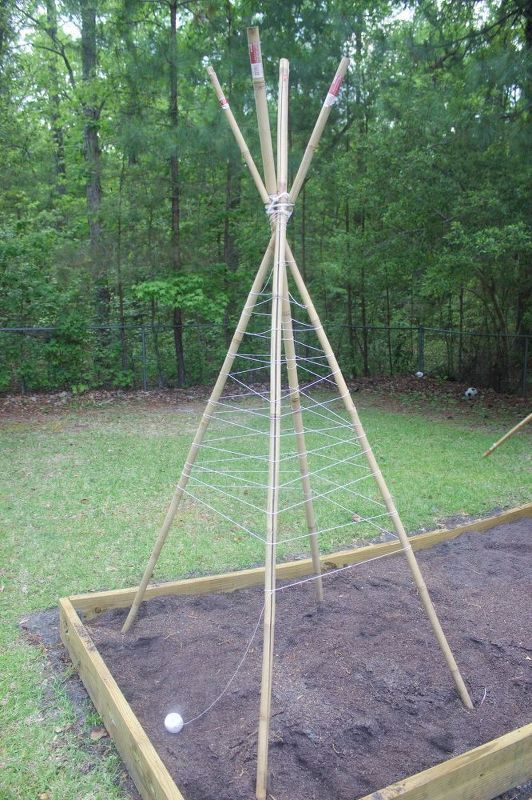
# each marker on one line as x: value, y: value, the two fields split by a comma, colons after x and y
x: 361, y: 696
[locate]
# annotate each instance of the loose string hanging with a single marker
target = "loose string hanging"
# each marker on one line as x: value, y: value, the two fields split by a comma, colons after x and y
x: 282, y: 588
x: 233, y: 676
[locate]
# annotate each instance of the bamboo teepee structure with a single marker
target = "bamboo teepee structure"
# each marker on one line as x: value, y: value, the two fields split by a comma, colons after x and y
x: 277, y: 264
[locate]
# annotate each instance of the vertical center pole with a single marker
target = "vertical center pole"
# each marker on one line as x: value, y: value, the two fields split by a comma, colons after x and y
x: 275, y: 439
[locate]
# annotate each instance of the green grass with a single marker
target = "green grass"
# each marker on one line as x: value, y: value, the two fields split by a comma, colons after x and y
x: 83, y: 493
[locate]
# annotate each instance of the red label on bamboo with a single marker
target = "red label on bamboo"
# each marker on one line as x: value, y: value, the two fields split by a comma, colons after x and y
x: 223, y: 102
x: 254, y: 53
x: 255, y: 60
x: 335, y: 85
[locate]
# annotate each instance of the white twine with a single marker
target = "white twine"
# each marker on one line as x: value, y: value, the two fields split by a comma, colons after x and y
x: 225, y: 516
x: 256, y: 628
x: 279, y: 205
x: 328, y: 573
x: 233, y: 676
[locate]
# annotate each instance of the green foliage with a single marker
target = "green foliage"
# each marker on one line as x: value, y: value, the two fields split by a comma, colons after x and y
x: 190, y: 293
x: 65, y: 353
x: 417, y: 208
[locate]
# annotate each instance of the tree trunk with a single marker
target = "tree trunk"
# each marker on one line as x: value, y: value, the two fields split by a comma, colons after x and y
x: 124, y: 357
x: 133, y: 105
x: 54, y: 105
x: 389, y: 325
x: 351, y: 329
x: 178, y: 342
x: 349, y: 291
x: 364, y: 320
x: 360, y: 218
x: 92, y: 152
x: 175, y: 241
x: 461, y: 335
x: 156, y: 348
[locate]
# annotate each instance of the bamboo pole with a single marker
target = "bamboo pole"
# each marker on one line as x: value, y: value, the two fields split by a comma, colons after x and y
x: 269, y: 169
x: 200, y: 433
x: 275, y: 440
x: 224, y: 103
x: 379, y: 479
x: 297, y: 418
x: 506, y: 436
x: 261, y: 105
x: 315, y: 136
x: 313, y: 141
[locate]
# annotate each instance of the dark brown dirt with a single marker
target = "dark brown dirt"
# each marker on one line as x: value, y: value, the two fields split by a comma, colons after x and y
x: 361, y: 696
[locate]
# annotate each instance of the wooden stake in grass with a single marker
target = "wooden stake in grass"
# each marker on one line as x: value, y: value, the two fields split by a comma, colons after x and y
x: 281, y: 218
x: 506, y: 436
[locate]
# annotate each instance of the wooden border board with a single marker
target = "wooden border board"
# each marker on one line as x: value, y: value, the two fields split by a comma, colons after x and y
x: 478, y: 774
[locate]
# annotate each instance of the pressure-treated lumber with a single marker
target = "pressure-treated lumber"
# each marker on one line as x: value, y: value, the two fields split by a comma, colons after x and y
x: 379, y: 480
x: 479, y: 774
x: 92, y: 604
x: 200, y: 433
x: 145, y: 767
x: 274, y: 459
x: 506, y: 436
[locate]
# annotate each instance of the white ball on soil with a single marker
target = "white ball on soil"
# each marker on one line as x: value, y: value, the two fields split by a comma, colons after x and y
x: 419, y: 374
x: 471, y: 392
x: 173, y: 722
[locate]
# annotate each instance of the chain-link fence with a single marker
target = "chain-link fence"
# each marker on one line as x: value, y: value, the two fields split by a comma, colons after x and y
x: 50, y: 359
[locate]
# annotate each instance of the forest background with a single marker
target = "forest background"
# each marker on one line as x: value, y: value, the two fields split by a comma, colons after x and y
x: 130, y: 230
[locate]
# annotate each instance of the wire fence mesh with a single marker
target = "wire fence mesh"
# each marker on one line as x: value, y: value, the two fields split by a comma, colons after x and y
x: 144, y: 356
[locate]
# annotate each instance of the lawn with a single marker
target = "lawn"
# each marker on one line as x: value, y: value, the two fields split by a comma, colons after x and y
x: 83, y: 492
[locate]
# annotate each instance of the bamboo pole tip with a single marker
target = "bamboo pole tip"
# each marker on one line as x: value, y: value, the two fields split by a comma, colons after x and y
x: 284, y: 66
x: 253, y: 33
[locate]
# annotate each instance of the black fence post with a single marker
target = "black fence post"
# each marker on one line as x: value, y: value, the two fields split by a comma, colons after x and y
x: 421, y: 348
x: 143, y: 356
x: 525, y: 369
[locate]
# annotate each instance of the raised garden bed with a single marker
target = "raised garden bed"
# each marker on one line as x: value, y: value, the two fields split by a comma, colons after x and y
x: 362, y: 696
